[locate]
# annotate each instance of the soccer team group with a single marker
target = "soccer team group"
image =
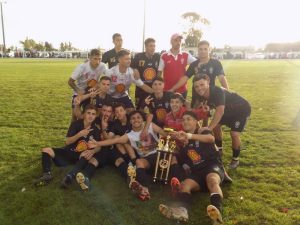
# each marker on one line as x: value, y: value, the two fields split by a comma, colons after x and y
x: 107, y: 128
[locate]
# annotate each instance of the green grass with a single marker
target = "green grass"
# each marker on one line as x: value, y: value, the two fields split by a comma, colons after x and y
x: 35, y: 112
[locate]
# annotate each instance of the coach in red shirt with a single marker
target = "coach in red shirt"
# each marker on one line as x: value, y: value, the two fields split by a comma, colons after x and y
x: 173, y: 64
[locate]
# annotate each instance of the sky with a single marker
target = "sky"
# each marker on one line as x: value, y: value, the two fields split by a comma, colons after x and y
x: 91, y: 23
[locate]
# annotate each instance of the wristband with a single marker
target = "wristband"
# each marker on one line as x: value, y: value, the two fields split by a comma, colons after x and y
x: 189, y: 135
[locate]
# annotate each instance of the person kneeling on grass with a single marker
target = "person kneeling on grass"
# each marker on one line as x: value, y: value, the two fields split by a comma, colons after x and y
x: 206, y: 168
x: 145, y: 148
x: 79, y: 133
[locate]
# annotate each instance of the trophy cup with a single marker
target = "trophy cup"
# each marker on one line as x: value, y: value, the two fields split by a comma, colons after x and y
x: 165, y: 151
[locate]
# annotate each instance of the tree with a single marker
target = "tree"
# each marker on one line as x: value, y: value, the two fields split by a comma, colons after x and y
x: 28, y: 44
x: 49, y: 46
x: 40, y: 46
x: 193, y: 28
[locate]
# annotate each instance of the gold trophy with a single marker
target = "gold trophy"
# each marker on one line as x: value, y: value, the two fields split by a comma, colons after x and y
x: 165, y: 151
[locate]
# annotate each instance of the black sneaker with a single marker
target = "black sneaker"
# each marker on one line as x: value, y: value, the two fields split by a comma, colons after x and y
x: 227, y: 178
x: 66, y: 181
x: 43, y: 180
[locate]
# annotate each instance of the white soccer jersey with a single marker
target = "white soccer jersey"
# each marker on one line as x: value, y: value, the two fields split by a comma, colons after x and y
x: 145, y: 147
x: 120, y: 82
x: 86, y: 76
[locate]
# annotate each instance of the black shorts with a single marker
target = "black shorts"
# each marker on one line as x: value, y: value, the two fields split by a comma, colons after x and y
x: 107, y: 156
x: 236, y: 122
x: 65, y: 156
x: 199, y: 176
x: 151, y: 160
x: 126, y: 100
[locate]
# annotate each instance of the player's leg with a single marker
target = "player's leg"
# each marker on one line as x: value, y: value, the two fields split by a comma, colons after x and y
x: 219, y: 138
x: 131, y: 153
x: 183, y: 200
x: 213, y: 181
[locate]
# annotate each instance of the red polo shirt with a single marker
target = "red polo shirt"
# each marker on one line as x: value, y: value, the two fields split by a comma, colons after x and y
x: 174, y: 67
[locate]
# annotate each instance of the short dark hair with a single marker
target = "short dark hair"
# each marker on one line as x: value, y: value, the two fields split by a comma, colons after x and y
x: 119, y: 104
x: 204, y: 42
x: 95, y: 52
x: 90, y: 107
x: 123, y: 52
x: 105, y: 78
x: 107, y: 103
x: 137, y: 112
x: 149, y: 40
x: 201, y: 76
x: 177, y: 96
x: 116, y: 35
x: 190, y: 113
x: 158, y: 78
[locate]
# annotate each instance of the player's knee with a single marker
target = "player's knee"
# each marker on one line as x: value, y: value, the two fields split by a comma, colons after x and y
x: 184, y: 187
x: 140, y: 163
x: 235, y: 135
x: 94, y: 162
x: 119, y: 161
x: 49, y: 151
x: 212, y: 180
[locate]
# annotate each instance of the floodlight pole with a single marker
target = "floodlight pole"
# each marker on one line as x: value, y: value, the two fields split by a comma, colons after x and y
x: 144, y: 25
x: 3, y: 34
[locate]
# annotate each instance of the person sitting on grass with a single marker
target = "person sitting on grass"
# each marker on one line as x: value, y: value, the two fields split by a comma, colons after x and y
x: 145, y: 148
x: 206, y: 172
x: 79, y: 133
x: 85, y: 168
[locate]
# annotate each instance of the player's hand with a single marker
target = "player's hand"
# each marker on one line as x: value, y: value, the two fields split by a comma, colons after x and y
x: 187, y: 169
x: 93, y: 93
x: 77, y: 100
x: 104, y: 123
x: 88, y: 154
x: 93, y: 144
x: 182, y: 136
x: 85, y: 132
x: 80, y: 92
x: 148, y: 100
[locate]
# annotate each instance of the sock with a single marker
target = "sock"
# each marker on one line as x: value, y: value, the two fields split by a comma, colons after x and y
x: 216, y: 200
x: 184, y: 199
x: 219, y: 144
x: 177, y: 171
x: 235, y: 153
x: 46, y: 162
x: 80, y: 164
x: 89, y: 170
x: 141, y: 176
x: 126, y: 158
x: 123, y: 169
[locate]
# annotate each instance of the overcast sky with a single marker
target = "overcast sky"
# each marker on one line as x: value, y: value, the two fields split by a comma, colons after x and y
x: 91, y: 23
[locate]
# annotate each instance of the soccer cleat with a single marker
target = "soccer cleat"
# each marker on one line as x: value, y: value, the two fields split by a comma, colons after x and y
x: 141, y: 191
x: 234, y: 163
x: 227, y: 178
x: 175, y: 185
x: 214, y: 214
x: 43, y: 180
x: 176, y: 213
x: 83, y: 181
x: 66, y: 181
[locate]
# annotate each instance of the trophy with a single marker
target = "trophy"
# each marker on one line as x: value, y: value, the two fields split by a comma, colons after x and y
x: 165, y: 151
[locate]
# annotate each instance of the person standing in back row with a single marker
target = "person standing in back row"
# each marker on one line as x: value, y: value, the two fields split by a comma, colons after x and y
x: 111, y: 57
x: 173, y: 65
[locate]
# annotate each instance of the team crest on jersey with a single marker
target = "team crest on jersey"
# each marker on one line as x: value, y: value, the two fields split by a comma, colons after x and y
x: 149, y: 74
x: 120, y: 88
x: 113, y: 59
x: 161, y: 114
x: 194, y: 156
x: 81, y: 146
x: 141, y: 63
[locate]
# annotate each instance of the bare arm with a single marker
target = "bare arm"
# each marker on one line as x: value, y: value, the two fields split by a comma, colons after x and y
x: 118, y: 140
x: 72, y: 84
x: 82, y: 133
x: 180, y: 83
x: 223, y: 82
x: 217, y: 117
x: 146, y: 88
x: 159, y: 130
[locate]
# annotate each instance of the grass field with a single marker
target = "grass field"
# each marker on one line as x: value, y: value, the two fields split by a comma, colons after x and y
x: 35, y: 112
